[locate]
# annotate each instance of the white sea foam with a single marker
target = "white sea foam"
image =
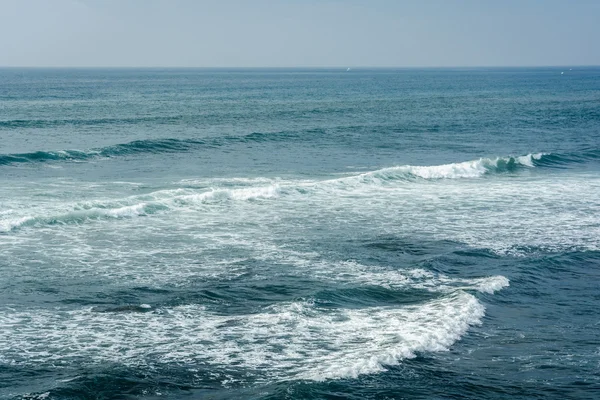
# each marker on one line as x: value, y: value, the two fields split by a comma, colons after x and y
x: 8, y: 225
x: 126, y: 211
x: 257, y: 229
x: 75, y: 215
x: 470, y: 169
x: 492, y: 285
x: 355, y: 273
x: 176, y: 198
x: 233, y: 181
x: 219, y: 195
x: 467, y: 169
x: 285, y: 341
x: 528, y: 159
x: 507, y: 216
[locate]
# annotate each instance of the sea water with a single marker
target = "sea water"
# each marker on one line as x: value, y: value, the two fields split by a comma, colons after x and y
x: 300, y: 233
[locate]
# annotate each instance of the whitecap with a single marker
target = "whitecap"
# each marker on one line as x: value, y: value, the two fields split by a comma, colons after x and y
x: 285, y: 341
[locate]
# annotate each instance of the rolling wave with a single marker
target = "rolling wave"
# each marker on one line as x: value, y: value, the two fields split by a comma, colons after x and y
x: 138, y: 146
x: 562, y: 160
x: 135, y: 147
x: 222, y: 191
x: 149, y: 146
x: 467, y: 169
x: 80, y: 216
x: 172, y: 145
x: 264, y: 189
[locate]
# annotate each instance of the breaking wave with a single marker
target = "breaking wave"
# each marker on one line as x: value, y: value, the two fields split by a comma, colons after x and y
x: 136, y: 206
x: 262, y: 189
x: 197, y: 195
x: 171, y: 145
x: 295, y: 340
x: 467, y: 169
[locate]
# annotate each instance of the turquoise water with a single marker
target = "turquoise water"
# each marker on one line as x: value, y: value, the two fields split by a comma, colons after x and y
x: 307, y: 234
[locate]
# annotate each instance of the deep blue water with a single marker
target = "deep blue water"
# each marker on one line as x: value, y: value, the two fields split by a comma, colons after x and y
x: 301, y: 234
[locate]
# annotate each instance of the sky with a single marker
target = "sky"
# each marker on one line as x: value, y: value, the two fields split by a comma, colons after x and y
x: 299, y: 33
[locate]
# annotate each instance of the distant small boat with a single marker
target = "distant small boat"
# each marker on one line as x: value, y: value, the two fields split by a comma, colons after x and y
x: 562, y: 73
x: 348, y: 70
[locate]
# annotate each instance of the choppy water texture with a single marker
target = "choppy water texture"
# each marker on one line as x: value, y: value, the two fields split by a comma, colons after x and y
x: 305, y: 234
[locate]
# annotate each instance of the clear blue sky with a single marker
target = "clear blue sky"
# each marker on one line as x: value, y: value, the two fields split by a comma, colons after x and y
x: 287, y: 33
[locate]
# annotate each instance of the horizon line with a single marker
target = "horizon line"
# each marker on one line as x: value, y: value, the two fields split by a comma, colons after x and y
x: 292, y: 67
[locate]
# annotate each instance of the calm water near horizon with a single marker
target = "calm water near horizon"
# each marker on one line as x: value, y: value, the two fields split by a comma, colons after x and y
x: 300, y: 233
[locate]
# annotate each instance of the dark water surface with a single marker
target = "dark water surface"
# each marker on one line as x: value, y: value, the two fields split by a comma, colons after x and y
x: 307, y: 234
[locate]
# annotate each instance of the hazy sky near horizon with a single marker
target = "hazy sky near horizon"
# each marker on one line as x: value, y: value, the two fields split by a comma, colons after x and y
x: 310, y: 33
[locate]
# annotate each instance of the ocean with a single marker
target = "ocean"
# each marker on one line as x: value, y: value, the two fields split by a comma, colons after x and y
x: 300, y: 233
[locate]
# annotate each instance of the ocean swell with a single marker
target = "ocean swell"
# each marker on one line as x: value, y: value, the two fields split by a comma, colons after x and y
x: 262, y: 189
x: 172, y: 145
x: 150, y: 146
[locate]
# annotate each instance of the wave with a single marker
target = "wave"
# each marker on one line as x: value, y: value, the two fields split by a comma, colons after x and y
x: 562, y: 160
x: 173, y: 145
x: 467, y: 169
x: 463, y: 169
x: 257, y: 189
x: 135, y: 147
x: 149, y: 146
x: 135, y: 206
x: 285, y: 341
x: 193, y: 194
x: 78, y: 216
x: 480, y: 167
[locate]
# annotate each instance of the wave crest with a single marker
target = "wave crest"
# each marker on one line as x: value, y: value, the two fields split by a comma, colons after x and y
x: 285, y: 341
x: 150, y: 146
x: 175, y: 145
x: 466, y: 169
x: 233, y: 190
